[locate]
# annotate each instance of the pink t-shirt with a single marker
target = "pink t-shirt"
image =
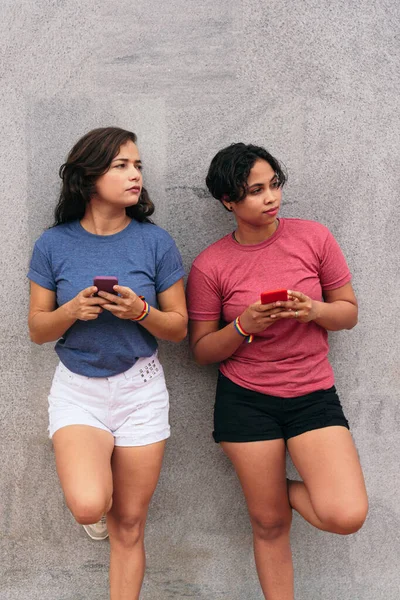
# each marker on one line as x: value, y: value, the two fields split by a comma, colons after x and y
x: 289, y: 358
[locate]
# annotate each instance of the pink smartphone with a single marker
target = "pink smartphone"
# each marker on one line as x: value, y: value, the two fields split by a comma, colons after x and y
x: 273, y: 296
x: 105, y: 284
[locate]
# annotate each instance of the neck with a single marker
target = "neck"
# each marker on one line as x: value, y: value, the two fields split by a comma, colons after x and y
x: 247, y: 234
x: 103, y: 221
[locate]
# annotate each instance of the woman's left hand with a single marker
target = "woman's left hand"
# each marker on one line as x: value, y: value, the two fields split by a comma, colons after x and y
x: 299, y: 307
x: 127, y: 305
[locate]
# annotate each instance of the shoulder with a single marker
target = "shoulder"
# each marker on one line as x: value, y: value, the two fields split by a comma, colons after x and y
x: 305, y: 226
x: 154, y: 234
x: 213, y: 254
x: 310, y: 237
x: 159, y: 245
x: 53, y: 235
x: 311, y: 232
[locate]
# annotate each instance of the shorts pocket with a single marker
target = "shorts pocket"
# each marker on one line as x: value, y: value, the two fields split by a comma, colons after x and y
x: 67, y: 377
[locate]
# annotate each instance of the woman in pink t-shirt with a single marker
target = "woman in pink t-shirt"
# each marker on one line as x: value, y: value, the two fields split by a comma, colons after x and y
x: 275, y: 385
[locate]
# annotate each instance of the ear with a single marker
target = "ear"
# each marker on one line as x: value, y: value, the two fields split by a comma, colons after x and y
x: 226, y: 203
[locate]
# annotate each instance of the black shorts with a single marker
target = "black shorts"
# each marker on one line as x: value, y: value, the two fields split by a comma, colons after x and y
x: 242, y: 415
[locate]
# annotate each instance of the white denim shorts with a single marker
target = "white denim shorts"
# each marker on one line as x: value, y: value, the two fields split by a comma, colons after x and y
x: 133, y: 406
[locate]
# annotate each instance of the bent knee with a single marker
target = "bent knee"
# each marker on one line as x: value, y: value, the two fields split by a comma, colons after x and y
x: 127, y: 530
x: 345, y: 520
x: 269, y: 527
x: 88, y: 510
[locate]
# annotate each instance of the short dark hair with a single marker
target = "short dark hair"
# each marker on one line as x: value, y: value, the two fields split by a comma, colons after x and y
x: 230, y: 168
x: 90, y: 158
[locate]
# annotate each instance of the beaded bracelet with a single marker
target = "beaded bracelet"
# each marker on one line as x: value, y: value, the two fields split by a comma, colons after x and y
x: 241, y: 331
x: 145, y: 312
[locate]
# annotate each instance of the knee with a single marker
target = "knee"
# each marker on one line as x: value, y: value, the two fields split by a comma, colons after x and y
x: 345, y: 520
x: 269, y: 527
x: 87, y: 510
x: 127, y: 530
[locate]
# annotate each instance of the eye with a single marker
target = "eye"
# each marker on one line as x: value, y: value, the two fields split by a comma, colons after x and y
x: 276, y: 184
x: 120, y: 165
x: 139, y: 167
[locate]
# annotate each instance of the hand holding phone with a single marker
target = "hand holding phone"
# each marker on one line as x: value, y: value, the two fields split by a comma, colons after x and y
x: 105, y: 284
x: 274, y: 296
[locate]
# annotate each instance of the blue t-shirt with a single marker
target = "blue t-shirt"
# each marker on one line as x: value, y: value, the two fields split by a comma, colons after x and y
x: 65, y: 260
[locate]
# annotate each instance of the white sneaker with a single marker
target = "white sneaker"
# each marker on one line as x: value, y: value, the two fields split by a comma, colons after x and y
x: 97, y: 531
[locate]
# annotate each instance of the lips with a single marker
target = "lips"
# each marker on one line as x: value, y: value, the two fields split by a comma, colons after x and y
x: 135, y: 189
x: 272, y: 211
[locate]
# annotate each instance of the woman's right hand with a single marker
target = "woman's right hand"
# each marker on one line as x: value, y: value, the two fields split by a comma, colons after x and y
x: 257, y: 317
x: 85, y: 306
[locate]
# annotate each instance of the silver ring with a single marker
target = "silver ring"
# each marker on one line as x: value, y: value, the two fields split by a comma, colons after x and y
x: 296, y: 314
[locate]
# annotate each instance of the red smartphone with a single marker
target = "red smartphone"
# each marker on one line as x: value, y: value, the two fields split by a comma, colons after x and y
x: 273, y: 296
x: 105, y: 284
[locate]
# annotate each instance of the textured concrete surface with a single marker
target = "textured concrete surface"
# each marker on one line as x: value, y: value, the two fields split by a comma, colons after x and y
x: 317, y: 82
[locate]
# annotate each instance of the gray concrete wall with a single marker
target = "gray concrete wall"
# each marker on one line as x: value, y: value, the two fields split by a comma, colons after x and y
x: 317, y: 82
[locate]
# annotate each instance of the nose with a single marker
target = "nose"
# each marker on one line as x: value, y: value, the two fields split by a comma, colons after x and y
x: 269, y: 196
x: 135, y: 174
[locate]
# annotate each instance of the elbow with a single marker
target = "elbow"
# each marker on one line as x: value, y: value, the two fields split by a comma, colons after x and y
x: 180, y: 335
x: 202, y: 362
x: 352, y: 325
x: 200, y: 354
x: 182, y: 330
x: 199, y: 359
x: 353, y: 322
x: 35, y: 338
x: 354, y: 319
x: 34, y: 334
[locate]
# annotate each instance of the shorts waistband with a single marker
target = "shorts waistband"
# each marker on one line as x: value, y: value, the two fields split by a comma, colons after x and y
x: 140, y: 363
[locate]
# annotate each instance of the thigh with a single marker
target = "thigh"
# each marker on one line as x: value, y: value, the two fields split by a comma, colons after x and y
x: 83, y: 461
x: 135, y: 472
x: 328, y: 463
x: 242, y: 415
x: 261, y: 469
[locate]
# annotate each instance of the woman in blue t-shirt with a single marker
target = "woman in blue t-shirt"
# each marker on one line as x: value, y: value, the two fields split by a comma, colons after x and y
x: 108, y: 404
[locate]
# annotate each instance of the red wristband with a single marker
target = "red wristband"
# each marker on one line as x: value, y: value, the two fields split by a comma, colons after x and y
x: 145, y: 312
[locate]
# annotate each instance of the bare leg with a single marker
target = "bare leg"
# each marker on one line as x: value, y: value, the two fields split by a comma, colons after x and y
x: 83, y: 461
x: 135, y: 473
x: 332, y: 496
x: 260, y: 467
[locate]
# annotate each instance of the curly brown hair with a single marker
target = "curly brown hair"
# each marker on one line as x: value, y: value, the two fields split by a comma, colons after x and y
x: 230, y: 168
x: 90, y: 158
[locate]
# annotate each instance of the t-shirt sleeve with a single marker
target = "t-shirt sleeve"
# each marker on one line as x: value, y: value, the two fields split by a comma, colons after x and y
x: 169, y: 269
x: 203, y: 297
x: 40, y: 270
x: 334, y: 272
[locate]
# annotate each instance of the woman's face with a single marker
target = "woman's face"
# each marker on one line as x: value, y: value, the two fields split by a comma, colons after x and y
x: 262, y: 202
x: 122, y: 184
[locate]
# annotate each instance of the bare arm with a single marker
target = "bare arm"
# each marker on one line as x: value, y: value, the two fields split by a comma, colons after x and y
x: 47, y: 323
x: 210, y: 344
x: 339, y: 311
x: 168, y: 323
